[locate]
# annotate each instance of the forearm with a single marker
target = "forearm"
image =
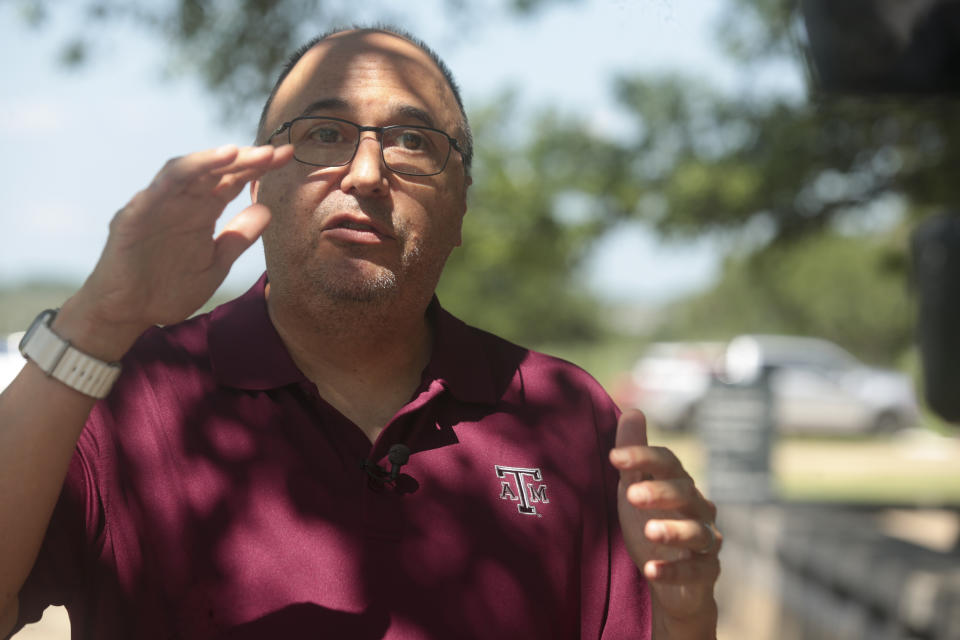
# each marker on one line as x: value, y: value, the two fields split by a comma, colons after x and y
x: 40, y: 423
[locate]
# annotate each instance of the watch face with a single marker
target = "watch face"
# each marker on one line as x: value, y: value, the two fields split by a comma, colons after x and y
x: 45, y: 318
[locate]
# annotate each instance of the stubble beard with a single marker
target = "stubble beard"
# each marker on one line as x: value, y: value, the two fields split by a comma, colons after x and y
x: 356, y: 281
x: 368, y: 283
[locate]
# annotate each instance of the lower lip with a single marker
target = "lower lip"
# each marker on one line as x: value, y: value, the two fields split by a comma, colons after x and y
x: 354, y: 236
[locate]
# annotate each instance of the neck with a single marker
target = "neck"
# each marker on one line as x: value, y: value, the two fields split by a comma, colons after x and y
x: 366, y: 358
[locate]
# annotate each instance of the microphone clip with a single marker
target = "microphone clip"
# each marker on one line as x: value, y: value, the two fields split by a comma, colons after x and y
x: 397, y: 456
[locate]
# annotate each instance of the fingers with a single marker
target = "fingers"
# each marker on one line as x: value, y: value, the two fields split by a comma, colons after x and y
x: 695, y: 536
x: 697, y: 569
x: 234, y: 177
x: 675, y: 494
x: 219, y: 172
x: 238, y: 234
x: 632, y: 429
x: 694, y: 556
x: 182, y: 169
x: 631, y: 435
x: 658, y: 462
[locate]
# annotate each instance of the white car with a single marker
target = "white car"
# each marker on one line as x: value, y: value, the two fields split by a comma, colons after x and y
x: 670, y: 379
x: 816, y: 386
x: 819, y: 387
x: 10, y: 359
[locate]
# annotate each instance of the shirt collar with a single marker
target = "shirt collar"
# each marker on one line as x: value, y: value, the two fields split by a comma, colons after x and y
x: 245, y: 350
x: 463, y: 361
x: 247, y: 353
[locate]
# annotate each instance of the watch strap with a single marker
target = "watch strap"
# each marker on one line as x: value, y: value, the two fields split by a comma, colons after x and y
x: 62, y: 361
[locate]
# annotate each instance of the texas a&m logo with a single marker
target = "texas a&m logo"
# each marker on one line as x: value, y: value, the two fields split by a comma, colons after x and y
x: 523, y: 485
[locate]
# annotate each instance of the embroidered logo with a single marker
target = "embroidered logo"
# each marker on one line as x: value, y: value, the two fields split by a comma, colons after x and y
x: 524, y: 486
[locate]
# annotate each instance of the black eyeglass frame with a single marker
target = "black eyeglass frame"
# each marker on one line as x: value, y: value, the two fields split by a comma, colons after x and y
x: 288, y: 127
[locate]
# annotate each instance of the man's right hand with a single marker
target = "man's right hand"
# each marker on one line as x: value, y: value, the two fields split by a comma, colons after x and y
x: 162, y: 261
x: 160, y: 264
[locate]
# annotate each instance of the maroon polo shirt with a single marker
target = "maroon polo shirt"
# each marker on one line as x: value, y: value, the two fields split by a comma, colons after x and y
x: 215, y: 494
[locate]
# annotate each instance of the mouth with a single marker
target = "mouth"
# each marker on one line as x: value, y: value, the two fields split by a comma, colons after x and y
x: 355, y: 228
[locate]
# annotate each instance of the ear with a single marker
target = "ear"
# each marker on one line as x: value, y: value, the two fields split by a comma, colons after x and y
x: 467, y: 181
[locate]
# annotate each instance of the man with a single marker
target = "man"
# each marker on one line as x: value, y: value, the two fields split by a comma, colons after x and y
x: 331, y: 455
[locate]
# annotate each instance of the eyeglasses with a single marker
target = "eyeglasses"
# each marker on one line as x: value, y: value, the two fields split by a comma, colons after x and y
x: 332, y: 142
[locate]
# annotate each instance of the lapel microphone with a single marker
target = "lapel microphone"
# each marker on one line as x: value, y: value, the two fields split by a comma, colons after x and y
x: 398, y: 455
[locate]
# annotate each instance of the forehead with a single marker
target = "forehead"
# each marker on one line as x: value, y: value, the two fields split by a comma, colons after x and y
x: 375, y: 75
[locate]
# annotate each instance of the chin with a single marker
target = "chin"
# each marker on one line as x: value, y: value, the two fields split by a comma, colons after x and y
x: 357, y: 288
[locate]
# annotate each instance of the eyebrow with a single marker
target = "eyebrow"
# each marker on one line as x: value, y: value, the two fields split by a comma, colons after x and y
x: 405, y: 110
x: 417, y: 113
x: 324, y: 105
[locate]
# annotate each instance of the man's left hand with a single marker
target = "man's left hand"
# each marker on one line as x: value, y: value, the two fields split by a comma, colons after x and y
x: 669, y: 530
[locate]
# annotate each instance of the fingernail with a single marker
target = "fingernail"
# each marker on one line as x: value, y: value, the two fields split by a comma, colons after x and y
x: 655, y: 530
x: 619, y: 456
x: 225, y: 149
x: 640, y: 494
x: 651, y: 570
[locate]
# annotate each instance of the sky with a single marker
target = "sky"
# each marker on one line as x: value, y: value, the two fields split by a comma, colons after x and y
x: 79, y: 143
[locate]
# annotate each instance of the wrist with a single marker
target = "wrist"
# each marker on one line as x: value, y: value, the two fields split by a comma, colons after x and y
x: 82, y: 326
x: 697, y: 625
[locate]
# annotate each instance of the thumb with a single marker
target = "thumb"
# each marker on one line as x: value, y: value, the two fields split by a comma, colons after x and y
x: 241, y: 232
x: 632, y: 429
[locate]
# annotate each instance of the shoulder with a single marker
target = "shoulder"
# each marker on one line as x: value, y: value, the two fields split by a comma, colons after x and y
x: 239, y: 325
x: 175, y: 349
x: 538, y: 377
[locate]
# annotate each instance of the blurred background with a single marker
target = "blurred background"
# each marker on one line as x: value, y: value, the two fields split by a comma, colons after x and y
x: 708, y: 204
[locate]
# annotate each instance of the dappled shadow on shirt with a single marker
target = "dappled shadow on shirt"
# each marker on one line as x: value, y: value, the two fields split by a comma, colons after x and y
x: 292, y: 621
x: 244, y: 513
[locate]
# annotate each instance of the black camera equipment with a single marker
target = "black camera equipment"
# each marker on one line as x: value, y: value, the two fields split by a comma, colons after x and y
x: 907, y: 49
x: 936, y: 267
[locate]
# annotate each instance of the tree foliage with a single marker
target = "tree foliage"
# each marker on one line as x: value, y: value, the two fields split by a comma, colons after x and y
x: 237, y: 47
x: 849, y: 289
x: 784, y: 173
x: 787, y: 174
x: 710, y: 162
x: 529, y: 226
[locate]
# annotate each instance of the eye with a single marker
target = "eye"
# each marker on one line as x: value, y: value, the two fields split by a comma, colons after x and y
x: 324, y: 134
x: 412, y: 140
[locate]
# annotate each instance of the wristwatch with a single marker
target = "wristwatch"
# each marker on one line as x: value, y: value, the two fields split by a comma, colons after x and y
x: 58, y: 359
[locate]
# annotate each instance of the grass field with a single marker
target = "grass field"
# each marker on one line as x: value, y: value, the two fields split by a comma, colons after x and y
x: 919, y: 467
x: 914, y: 467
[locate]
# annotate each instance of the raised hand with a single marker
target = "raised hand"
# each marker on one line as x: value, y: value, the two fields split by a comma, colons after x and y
x: 162, y: 261
x: 668, y: 527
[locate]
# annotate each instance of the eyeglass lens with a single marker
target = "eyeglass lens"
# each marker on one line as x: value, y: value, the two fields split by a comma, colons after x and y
x: 406, y: 149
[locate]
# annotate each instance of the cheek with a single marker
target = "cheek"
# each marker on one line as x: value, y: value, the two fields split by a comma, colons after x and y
x: 452, y: 220
x: 430, y: 221
x: 287, y: 200
x: 283, y: 188
x: 282, y: 232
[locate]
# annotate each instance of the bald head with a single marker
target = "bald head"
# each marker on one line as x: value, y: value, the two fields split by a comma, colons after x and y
x: 322, y: 63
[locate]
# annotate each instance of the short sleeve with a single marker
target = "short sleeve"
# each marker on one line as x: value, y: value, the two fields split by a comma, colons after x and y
x: 629, y: 610
x: 76, y: 528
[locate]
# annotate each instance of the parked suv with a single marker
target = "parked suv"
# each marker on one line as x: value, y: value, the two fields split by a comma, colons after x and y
x: 816, y: 386
x: 669, y: 380
x: 819, y: 387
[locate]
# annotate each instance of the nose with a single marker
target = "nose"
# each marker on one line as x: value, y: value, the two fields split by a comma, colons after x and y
x: 366, y: 174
